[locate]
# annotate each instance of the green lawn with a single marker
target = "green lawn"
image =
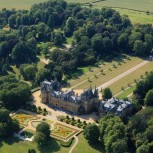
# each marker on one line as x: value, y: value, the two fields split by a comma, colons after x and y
x: 84, y: 147
x: 126, y: 93
x: 18, y: 4
x: 13, y: 145
x: 145, y: 5
x: 130, y: 79
x: 109, y: 73
x: 83, y: 73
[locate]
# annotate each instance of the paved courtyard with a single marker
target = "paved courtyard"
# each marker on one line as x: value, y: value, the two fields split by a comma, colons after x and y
x: 55, y: 113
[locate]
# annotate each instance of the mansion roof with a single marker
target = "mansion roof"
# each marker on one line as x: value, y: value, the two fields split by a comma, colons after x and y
x: 114, y: 105
x: 53, y: 87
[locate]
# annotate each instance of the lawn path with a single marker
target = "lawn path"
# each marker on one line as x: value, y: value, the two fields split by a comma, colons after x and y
x: 76, y: 142
x: 122, y: 75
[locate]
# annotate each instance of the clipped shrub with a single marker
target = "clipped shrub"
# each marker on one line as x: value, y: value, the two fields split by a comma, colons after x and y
x: 66, y: 144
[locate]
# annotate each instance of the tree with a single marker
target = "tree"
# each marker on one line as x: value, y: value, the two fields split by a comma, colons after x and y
x: 7, y: 125
x: 107, y: 45
x: 28, y: 71
x: 71, y: 23
x: 31, y: 151
x: 107, y: 94
x: 90, y: 29
x: 91, y: 133
x: 149, y: 98
x: 123, y: 41
x: 139, y: 48
x: 97, y: 43
x: 58, y: 39
x: 120, y: 146
x: 14, y: 94
x: 44, y: 128
x: 23, y: 53
x: 12, y: 21
x: 41, y: 75
x: 40, y: 139
x: 143, y: 149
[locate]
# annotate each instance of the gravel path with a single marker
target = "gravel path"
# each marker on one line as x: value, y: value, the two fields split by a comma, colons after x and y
x: 91, y: 118
x: 46, y: 61
x: 74, y: 145
x: 122, y: 75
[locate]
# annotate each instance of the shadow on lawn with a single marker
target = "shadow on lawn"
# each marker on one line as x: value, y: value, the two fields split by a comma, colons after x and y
x: 1, y: 143
x: 98, y: 146
x: 52, y: 146
x: 11, y: 140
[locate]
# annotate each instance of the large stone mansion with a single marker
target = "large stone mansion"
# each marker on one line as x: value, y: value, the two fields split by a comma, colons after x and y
x: 70, y: 101
x: 84, y: 103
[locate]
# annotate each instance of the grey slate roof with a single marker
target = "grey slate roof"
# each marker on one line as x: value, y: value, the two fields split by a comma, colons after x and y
x: 54, y: 90
x: 115, y: 105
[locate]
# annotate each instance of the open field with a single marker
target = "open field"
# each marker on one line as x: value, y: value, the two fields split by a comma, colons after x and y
x: 18, y: 4
x: 129, y: 79
x: 143, y: 5
x: 109, y: 73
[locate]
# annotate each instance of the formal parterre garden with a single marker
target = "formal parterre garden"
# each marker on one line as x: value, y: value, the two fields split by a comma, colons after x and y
x: 63, y: 132
x: 58, y: 131
x: 24, y: 118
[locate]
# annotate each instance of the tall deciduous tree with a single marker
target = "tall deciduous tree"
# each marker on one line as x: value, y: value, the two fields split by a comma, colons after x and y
x: 91, y: 133
x: 107, y: 93
x: 149, y: 98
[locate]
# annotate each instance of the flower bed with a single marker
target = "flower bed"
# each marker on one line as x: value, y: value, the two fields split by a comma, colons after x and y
x: 63, y: 132
x: 24, y: 118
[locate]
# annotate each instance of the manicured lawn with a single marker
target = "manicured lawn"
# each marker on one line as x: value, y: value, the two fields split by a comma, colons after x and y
x: 109, y: 73
x: 13, y: 145
x: 126, y: 93
x: 129, y: 79
x: 84, y: 147
x: 84, y: 73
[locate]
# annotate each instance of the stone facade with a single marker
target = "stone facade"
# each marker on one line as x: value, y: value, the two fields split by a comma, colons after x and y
x: 70, y: 101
